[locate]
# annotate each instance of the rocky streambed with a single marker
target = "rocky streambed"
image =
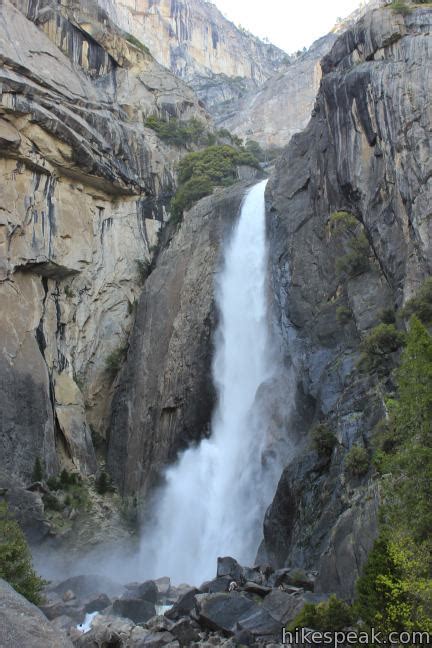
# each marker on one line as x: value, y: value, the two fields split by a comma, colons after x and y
x: 240, y: 606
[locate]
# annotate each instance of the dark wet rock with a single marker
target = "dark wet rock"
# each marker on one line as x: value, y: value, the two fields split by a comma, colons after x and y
x: 244, y: 638
x: 185, y: 631
x: 55, y: 609
x: 148, y: 591
x: 229, y: 567
x: 254, y: 588
x: 282, y: 605
x: 157, y: 639
x: 97, y: 604
x: 23, y: 625
x: 294, y: 577
x: 184, y: 606
x: 220, y: 584
x: 222, y: 612
x: 136, y: 609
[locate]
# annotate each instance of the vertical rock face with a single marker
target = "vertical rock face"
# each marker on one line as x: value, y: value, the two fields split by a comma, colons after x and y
x: 83, y: 190
x: 367, y: 152
x: 164, y: 396
x: 282, y: 106
x: 192, y: 37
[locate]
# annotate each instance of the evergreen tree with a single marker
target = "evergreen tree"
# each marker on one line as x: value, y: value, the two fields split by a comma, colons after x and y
x: 15, y: 559
x: 37, y: 475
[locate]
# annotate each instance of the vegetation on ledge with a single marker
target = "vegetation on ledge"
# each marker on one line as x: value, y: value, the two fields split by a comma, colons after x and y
x: 199, y: 173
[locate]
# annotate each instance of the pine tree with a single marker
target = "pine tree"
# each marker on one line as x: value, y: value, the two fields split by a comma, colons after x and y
x: 37, y: 475
x: 15, y: 559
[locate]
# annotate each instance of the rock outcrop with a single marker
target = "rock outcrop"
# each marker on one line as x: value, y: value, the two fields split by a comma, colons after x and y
x: 164, y: 397
x: 366, y: 152
x: 81, y: 201
x: 23, y: 624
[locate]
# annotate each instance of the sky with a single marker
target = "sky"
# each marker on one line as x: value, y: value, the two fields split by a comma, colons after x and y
x: 289, y: 24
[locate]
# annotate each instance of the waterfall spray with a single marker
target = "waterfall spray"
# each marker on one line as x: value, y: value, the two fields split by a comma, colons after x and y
x: 215, y: 496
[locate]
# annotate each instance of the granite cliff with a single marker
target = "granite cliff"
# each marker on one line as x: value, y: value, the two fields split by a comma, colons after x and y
x: 84, y: 190
x: 365, y: 153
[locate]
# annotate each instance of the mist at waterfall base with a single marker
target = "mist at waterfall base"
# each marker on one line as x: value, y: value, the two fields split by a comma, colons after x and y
x: 214, y: 498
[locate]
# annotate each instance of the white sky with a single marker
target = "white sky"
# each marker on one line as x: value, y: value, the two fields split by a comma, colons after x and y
x: 289, y: 24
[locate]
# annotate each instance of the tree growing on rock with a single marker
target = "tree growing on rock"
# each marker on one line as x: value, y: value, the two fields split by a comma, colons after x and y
x: 15, y: 559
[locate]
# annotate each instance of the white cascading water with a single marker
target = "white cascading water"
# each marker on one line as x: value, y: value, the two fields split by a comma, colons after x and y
x: 215, y: 496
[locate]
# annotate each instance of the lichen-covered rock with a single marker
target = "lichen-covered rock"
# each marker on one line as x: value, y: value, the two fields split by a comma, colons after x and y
x: 366, y: 152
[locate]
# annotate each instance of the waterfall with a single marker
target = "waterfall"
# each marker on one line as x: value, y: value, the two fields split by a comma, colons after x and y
x: 215, y: 496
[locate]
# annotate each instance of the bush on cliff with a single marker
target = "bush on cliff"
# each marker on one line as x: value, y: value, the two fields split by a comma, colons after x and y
x: 378, y: 345
x: 357, y: 461
x: 356, y: 261
x: 323, y: 440
x: 179, y: 133
x: 200, y: 172
x: 15, y: 559
x: 421, y: 304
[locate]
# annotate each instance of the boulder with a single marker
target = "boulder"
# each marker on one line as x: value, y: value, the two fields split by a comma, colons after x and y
x: 294, y: 577
x: 184, y: 606
x: 157, y: 639
x: 259, y: 622
x: 136, y: 609
x: 97, y: 604
x: 111, y: 631
x: 283, y: 606
x: 185, y: 631
x: 229, y: 567
x: 254, y: 588
x: 148, y: 591
x: 222, y: 612
x: 23, y: 625
x: 163, y: 585
x: 220, y: 584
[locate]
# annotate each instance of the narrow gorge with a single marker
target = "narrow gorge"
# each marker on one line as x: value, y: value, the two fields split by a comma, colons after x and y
x: 216, y: 312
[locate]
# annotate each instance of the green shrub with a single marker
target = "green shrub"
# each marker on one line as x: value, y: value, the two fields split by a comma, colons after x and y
x: 343, y: 222
x: 421, y: 304
x: 400, y: 8
x: 38, y: 472
x: 382, y: 341
x: 357, y: 461
x: 387, y: 316
x: 323, y: 440
x: 255, y: 149
x: 394, y: 592
x: 103, y: 483
x: 179, y: 133
x: 51, y: 502
x: 15, y: 559
x: 356, y: 261
x: 144, y: 268
x: 330, y: 616
x: 115, y: 360
x: 200, y: 172
x: 188, y: 194
x: 68, y: 292
x: 343, y: 315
